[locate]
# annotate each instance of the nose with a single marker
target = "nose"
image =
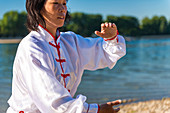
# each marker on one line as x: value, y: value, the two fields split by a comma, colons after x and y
x: 62, y: 8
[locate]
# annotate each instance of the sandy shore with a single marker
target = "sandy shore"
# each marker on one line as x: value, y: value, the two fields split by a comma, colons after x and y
x: 152, y: 106
x: 9, y: 41
x: 156, y: 36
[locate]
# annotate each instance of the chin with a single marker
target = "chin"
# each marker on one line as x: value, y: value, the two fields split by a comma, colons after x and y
x: 60, y: 25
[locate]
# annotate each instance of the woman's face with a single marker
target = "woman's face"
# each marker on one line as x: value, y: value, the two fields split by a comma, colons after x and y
x: 54, y: 13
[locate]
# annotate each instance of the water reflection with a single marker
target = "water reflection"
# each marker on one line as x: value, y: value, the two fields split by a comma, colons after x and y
x: 142, y: 74
x: 7, y: 53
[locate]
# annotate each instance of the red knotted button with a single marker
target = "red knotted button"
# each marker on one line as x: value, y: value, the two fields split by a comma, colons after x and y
x: 60, y: 60
x: 56, y: 46
x: 21, y: 112
x: 65, y: 75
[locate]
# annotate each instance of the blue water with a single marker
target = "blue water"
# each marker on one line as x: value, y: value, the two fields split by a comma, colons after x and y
x: 143, y: 74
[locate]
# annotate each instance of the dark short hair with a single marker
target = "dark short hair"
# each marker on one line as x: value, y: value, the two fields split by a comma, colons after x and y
x: 34, y: 17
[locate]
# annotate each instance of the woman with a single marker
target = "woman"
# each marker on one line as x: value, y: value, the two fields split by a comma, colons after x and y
x: 49, y: 65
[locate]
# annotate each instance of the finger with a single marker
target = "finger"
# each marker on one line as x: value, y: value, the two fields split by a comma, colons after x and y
x: 98, y: 33
x: 117, y: 102
x: 103, y: 25
x: 117, y: 110
x: 107, y: 24
x: 110, y: 25
x: 113, y: 24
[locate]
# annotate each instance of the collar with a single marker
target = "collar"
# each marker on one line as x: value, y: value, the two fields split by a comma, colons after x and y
x: 48, y: 36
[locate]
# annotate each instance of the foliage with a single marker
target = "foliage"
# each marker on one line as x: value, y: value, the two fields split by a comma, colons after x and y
x: 84, y: 24
x: 12, y: 24
x: 154, y: 26
x: 127, y: 25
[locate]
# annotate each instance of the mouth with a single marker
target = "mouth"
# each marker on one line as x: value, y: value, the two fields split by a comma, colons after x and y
x: 60, y: 17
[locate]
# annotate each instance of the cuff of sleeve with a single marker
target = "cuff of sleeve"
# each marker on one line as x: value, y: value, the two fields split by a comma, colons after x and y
x: 91, y: 108
x: 111, y: 39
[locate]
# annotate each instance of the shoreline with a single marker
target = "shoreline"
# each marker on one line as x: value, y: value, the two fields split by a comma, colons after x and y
x: 128, y: 38
x: 9, y: 41
x: 151, y: 106
x: 155, y: 36
x: 148, y: 37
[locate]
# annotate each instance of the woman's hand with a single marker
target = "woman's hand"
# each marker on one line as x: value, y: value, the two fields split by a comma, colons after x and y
x: 108, y: 107
x: 108, y: 30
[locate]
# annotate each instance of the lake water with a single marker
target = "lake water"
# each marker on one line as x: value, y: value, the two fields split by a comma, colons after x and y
x: 143, y: 74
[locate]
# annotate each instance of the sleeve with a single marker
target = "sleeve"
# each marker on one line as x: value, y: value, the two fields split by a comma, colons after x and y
x: 96, y: 53
x: 44, y: 89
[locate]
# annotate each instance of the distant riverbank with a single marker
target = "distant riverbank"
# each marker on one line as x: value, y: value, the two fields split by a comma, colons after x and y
x: 128, y: 38
x: 156, y: 36
x: 9, y: 41
x: 147, y: 37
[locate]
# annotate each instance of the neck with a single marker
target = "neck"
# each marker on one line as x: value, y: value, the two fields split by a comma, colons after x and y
x: 51, y: 29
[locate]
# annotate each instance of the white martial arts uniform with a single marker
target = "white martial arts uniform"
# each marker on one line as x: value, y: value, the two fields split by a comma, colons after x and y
x: 46, y: 73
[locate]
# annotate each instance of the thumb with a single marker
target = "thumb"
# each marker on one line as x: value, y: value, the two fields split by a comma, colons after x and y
x: 98, y: 33
x: 114, y: 103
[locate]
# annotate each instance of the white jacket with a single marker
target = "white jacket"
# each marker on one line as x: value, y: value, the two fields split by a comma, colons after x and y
x: 46, y: 76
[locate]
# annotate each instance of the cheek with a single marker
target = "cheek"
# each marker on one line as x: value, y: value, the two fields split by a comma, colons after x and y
x: 48, y: 8
x: 65, y: 8
x: 51, y: 9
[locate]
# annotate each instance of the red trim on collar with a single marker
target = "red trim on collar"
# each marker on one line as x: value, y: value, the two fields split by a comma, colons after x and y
x: 57, y: 46
x: 98, y: 109
x: 50, y: 32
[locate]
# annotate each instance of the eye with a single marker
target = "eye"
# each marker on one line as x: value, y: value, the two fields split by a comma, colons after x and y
x: 64, y: 3
x: 55, y: 2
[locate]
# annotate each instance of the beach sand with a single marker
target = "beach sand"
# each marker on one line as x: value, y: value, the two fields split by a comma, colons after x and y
x: 152, y: 106
x: 9, y: 41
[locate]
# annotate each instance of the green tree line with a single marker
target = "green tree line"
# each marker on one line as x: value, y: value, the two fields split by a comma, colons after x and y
x: 13, y: 24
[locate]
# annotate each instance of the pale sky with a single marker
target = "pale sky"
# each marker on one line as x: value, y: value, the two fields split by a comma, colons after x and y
x: 136, y: 8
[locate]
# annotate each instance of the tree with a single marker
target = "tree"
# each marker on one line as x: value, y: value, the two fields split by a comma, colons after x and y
x: 146, y: 26
x: 150, y: 26
x: 0, y: 28
x: 93, y: 23
x: 84, y: 24
x: 163, y: 29
x: 154, y: 26
x: 112, y: 19
x: 12, y: 24
x: 22, y: 30
x: 127, y: 25
x: 155, y: 23
x: 9, y: 23
x: 168, y: 28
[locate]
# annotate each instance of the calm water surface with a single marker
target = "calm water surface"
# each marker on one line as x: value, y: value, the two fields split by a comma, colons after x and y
x: 144, y: 74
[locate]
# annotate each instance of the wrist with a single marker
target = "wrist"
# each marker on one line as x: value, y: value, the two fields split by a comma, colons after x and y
x: 112, y: 38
